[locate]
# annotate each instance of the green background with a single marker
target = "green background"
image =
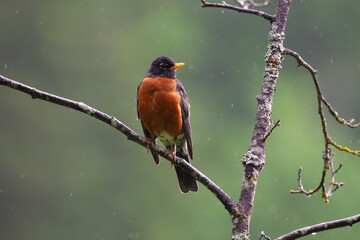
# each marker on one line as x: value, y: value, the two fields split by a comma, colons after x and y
x: 65, y: 175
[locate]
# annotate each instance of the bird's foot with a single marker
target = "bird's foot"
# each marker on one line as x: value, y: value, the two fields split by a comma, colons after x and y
x: 148, y: 142
x: 173, y: 153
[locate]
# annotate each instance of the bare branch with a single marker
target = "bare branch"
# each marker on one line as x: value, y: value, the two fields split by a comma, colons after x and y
x: 327, y: 157
x: 223, y: 4
x: 310, y: 192
x: 226, y: 200
x: 321, y: 99
x: 333, y: 185
x: 349, y: 221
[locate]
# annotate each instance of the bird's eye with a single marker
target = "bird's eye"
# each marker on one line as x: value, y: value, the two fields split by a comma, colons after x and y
x: 163, y: 66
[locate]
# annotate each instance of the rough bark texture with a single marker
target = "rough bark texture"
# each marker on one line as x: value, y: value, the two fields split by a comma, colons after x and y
x: 254, y: 159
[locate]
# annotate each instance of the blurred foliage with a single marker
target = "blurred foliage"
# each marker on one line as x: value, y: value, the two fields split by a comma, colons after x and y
x: 64, y: 175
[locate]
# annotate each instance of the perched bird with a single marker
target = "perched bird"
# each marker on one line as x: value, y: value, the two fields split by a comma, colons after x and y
x: 164, y: 110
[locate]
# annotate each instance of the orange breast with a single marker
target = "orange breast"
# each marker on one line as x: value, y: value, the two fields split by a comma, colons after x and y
x: 159, y: 106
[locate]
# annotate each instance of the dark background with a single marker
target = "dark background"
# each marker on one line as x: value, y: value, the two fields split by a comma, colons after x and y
x: 65, y: 175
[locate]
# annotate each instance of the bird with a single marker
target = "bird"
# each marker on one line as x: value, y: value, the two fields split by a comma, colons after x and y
x: 163, y: 109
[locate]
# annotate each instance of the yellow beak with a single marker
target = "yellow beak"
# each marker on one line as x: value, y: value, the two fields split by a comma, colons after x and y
x: 177, y: 65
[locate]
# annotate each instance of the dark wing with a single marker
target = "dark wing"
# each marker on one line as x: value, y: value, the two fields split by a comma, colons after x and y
x: 185, y: 113
x: 137, y: 101
x: 186, y: 181
x: 147, y: 134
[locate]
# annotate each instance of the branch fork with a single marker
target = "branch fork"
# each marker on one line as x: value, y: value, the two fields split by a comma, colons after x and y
x: 327, y: 156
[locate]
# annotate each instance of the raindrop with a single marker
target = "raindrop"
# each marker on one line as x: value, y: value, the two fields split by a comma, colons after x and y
x: 81, y: 174
x: 5, y: 66
x: 331, y: 60
x: 191, y: 67
x: 314, y: 233
x: 41, y: 22
x: 1, y: 190
x: 71, y: 194
x: 232, y: 105
x: 17, y: 11
x: 22, y: 175
x: 222, y: 11
x: 208, y: 139
x: 134, y: 235
x: 222, y: 73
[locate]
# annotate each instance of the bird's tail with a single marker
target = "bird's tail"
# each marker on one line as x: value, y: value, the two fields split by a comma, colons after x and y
x: 186, y: 181
x: 156, y: 157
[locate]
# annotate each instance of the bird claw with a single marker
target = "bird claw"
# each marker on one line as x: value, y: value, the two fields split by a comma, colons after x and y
x: 148, y: 142
x: 173, y: 156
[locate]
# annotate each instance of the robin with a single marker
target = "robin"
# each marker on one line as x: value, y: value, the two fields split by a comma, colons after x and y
x: 164, y: 111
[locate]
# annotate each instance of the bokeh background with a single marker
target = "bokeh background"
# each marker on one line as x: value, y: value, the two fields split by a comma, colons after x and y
x: 65, y: 175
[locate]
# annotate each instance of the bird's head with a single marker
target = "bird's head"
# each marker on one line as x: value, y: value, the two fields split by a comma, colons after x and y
x: 163, y: 67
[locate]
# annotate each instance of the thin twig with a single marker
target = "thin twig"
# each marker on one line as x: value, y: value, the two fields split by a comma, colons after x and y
x: 225, y: 199
x: 276, y: 124
x: 310, y: 192
x: 338, y: 118
x: 325, y: 193
x: 264, y: 236
x: 223, y: 4
x: 333, y: 183
x: 321, y: 185
x: 301, y: 232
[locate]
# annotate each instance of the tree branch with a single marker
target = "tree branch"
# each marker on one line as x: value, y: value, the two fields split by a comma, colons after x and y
x: 326, y: 193
x: 254, y: 159
x: 327, y: 156
x: 320, y: 227
x: 321, y: 99
x: 223, y: 4
x: 226, y: 200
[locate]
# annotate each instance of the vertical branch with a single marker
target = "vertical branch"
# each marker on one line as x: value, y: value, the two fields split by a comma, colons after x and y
x: 254, y: 159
